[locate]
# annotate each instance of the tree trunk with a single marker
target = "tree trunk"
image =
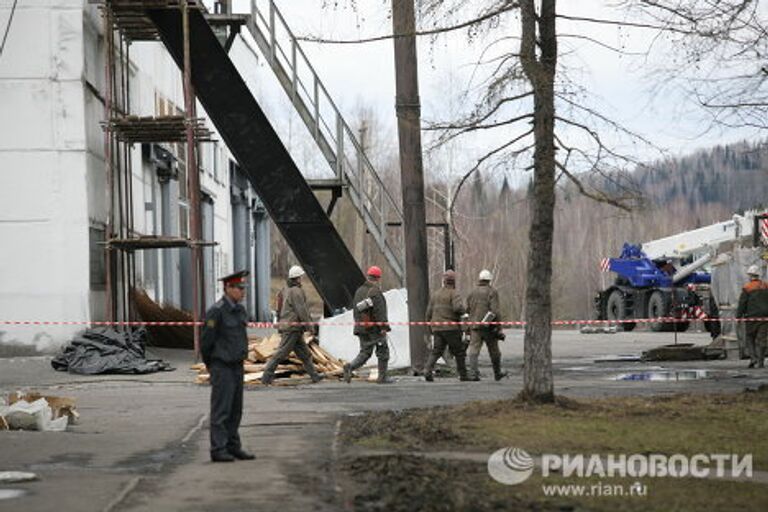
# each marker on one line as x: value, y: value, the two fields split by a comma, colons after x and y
x: 538, y: 384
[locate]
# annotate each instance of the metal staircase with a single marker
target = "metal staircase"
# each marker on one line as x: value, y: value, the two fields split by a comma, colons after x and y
x: 338, y: 144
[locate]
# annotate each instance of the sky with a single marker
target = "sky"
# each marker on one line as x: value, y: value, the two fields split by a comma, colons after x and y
x: 618, y: 86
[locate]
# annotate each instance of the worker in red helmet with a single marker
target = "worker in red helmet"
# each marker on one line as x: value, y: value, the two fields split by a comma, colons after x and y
x: 369, y: 309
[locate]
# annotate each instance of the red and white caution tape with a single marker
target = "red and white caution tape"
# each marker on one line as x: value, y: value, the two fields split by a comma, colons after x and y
x: 271, y: 325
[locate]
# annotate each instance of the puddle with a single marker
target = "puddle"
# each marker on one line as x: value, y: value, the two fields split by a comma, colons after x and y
x: 9, y: 494
x: 672, y: 375
x: 620, y: 358
x: 603, y: 369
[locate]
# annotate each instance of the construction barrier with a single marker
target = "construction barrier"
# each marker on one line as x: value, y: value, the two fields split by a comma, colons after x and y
x: 275, y: 325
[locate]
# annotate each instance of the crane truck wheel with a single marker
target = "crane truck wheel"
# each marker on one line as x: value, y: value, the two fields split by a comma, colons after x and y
x: 658, y: 307
x: 615, y: 309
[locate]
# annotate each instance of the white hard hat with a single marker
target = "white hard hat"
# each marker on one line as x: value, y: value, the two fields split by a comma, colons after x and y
x: 485, y: 275
x: 754, y: 270
x: 295, y: 271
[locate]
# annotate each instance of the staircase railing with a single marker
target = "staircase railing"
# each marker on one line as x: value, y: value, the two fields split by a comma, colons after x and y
x: 336, y: 141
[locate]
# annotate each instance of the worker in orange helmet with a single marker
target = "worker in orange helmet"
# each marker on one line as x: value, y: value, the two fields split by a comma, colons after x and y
x: 371, y: 327
x: 753, y: 305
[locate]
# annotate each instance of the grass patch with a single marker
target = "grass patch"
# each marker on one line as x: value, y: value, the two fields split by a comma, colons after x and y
x: 403, y: 483
x: 687, y: 424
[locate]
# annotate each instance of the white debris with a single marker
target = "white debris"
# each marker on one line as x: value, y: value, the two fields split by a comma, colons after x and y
x: 12, y: 477
x: 37, y: 415
x: 341, y: 343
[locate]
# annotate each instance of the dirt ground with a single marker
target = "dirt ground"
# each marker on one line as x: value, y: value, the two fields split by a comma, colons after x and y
x: 415, y: 452
x: 142, y: 441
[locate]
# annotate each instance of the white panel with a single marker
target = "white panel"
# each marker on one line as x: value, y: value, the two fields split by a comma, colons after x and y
x: 69, y: 113
x: 26, y: 192
x: 28, y: 50
x: 27, y: 108
x: 67, y: 39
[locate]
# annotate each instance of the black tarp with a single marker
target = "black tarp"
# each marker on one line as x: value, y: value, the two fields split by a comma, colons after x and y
x: 105, y: 350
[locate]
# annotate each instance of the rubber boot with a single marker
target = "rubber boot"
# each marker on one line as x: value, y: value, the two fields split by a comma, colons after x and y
x: 428, y: 368
x: 498, y: 374
x: 474, y: 372
x: 761, y: 357
x: 461, y: 367
x: 383, y: 379
x: 347, y: 373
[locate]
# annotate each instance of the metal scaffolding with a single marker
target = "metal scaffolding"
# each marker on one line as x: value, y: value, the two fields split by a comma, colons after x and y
x: 126, y: 21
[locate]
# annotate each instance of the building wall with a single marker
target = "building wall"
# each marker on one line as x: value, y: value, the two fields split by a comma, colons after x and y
x: 43, y: 154
x: 53, y: 190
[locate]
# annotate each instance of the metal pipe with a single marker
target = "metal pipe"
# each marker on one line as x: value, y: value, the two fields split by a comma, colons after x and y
x: 109, y: 42
x: 691, y: 268
x: 129, y: 168
x: 193, y: 177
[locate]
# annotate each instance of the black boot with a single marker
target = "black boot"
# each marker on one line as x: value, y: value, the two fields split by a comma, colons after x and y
x: 383, y: 379
x: 241, y: 454
x: 461, y: 367
x: 347, y: 373
x: 474, y: 369
x: 428, y: 368
x: 498, y: 374
x: 222, y: 457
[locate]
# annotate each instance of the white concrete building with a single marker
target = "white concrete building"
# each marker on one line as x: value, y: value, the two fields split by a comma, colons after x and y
x: 53, y: 191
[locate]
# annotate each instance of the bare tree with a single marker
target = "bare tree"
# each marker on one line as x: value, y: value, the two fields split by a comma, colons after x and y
x: 524, y: 96
x: 717, y: 51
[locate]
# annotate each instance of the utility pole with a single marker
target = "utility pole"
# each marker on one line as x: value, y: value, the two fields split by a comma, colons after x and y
x: 411, y: 175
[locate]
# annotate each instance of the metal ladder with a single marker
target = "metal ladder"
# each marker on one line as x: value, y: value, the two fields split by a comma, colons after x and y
x: 336, y: 141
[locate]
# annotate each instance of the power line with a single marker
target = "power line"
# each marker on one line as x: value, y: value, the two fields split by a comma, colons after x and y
x: 8, y: 27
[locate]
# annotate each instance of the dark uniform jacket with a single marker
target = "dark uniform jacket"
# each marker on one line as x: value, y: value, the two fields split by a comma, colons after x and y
x: 753, y: 302
x: 224, y: 333
x: 445, y: 305
x: 294, y: 308
x: 378, y: 313
x: 481, y: 300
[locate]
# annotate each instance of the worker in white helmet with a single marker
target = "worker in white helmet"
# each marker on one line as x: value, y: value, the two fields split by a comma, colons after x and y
x: 483, y: 307
x: 753, y: 307
x: 293, y: 320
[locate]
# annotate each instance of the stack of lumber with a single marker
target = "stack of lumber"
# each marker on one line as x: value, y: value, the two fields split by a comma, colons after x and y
x: 289, y: 371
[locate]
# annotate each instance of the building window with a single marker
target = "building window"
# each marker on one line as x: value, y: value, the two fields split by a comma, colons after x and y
x: 215, y: 162
x: 98, y: 260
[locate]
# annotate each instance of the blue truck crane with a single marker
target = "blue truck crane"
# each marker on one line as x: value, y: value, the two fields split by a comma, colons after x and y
x: 652, y: 288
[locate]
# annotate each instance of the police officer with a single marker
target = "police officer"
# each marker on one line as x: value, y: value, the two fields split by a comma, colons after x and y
x: 753, y: 303
x: 445, y: 305
x: 484, y: 299
x: 293, y: 312
x: 224, y: 347
x: 369, y: 305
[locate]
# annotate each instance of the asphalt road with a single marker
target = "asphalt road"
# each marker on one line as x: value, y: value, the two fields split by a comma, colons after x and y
x: 142, y: 441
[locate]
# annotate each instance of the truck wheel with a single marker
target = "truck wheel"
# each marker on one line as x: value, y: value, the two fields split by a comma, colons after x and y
x: 658, y: 307
x: 615, y: 309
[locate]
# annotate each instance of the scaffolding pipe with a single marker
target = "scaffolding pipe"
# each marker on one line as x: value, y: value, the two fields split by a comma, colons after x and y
x: 193, y: 178
x: 109, y: 40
